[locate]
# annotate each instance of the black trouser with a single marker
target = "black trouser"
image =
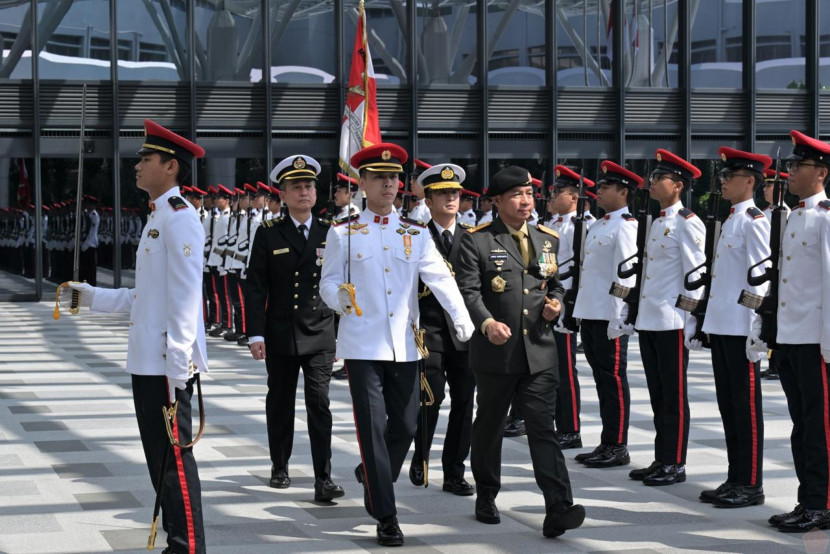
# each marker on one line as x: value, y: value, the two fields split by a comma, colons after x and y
x: 567, y: 395
x: 385, y: 403
x: 181, y: 499
x: 88, y: 265
x: 237, y: 301
x: 804, y: 377
x: 453, y: 368
x: 536, y: 394
x: 213, y: 284
x: 665, y: 360
x: 283, y: 372
x: 609, y: 362
x: 738, y: 389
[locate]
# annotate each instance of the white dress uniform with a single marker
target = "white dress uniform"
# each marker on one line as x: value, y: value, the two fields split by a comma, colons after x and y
x: 220, y: 238
x: 768, y: 212
x: 254, y: 222
x: 468, y: 217
x: 167, y: 276
x: 420, y: 212
x: 486, y: 217
x: 344, y: 211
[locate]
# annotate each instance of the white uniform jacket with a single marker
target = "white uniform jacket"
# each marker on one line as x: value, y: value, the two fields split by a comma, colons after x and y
x: 564, y: 225
x: 220, y: 238
x: 420, y: 212
x: 167, y: 332
x: 744, y: 241
x: 388, y: 255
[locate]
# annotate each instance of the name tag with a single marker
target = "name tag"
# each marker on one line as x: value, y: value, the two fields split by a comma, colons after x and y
x: 280, y: 251
x: 498, y: 257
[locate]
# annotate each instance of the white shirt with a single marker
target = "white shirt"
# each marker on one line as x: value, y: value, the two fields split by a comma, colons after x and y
x: 804, y: 287
x: 674, y: 247
x: 744, y: 241
x: 468, y: 217
x: 387, y: 258
x: 419, y: 212
x: 307, y: 224
x: 167, y: 332
x: 609, y: 241
x: 441, y: 230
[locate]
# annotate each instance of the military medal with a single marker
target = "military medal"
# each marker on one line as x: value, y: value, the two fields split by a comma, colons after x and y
x: 498, y: 284
x: 407, y: 245
x: 319, y: 256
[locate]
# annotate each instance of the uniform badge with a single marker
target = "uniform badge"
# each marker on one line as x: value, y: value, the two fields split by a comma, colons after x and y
x: 546, y: 246
x: 299, y: 163
x: 400, y: 231
x: 364, y: 231
x: 319, y: 257
x: 447, y: 173
x: 153, y: 233
x: 186, y: 249
x: 407, y: 245
x: 413, y: 231
x: 386, y: 155
x: 498, y: 284
x: 666, y: 232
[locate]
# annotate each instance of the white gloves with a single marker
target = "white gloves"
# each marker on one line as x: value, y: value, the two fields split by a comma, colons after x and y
x: 172, y: 385
x: 85, y: 290
x: 615, y: 330
x: 345, y: 301
x: 754, y: 342
x: 464, y: 329
x: 752, y: 355
x: 689, y: 332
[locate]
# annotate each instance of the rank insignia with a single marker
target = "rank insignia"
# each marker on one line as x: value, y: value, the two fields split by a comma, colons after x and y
x: 498, y: 284
x: 405, y: 225
x: 186, y: 249
x: 153, y: 233
x: 401, y: 231
x: 413, y: 231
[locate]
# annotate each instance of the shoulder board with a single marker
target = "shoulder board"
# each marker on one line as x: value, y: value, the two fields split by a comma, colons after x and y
x: 271, y: 222
x: 825, y: 204
x: 177, y: 203
x: 416, y: 222
x: 629, y: 217
x: 345, y: 219
x: 686, y: 213
x: 479, y: 227
x: 548, y: 231
x: 465, y: 225
x: 323, y: 221
x: 754, y: 212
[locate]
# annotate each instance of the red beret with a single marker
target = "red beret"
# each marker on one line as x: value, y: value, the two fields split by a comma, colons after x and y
x: 159, y: 139
x: 383, y: 157
x: 737, y: 159
x: 671, y: 163
x: 808, y: 148
x: 567, y: 177
x: 614, y: 173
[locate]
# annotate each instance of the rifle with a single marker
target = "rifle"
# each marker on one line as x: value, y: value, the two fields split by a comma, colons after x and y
x: 331, y: 207
x: 631, y: 295
x: 575, y: 271
x: 767, y: 306
x: 407, y: 192
x: 697, y: 307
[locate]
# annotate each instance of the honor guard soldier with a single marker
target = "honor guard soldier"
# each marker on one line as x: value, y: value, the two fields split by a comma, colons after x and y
x: 743, y: 243
x: 804, y: 332
x: 602, y: 316
x: 216, y: 262
x: 564, y: 196
x: 466, y: 213
x: 674, y: 247
x: 447, y: 361
x: 274, y: 205
x: 89, y: 238
x: 507, y: 274
x: 235, y: 258
x: 290, y: 326
x: 384, y: 255
x: 418, y: 210
x: 166, y: 345
x: 486, y: 209
x: 344, y: 192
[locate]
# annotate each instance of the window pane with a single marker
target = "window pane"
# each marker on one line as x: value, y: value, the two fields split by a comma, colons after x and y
x: 583, y: 45
x: 717, y: 54
x: 516, y: 43
x: 76, y: 41
x: 651, y: 51
x: 304, y: 50
x: 447, y: 43
x: 386, y: 32
x: 152, y: 45
x: 781, y: 44
x: 824, y: 49
x: 15, y: 52
x: 229, y: 41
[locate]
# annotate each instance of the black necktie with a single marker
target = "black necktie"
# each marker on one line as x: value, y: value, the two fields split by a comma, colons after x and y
x: 301, y: 229
x: 447, y: 239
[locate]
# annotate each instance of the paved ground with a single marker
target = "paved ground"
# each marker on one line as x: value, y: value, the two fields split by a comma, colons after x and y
x: 73, y: 479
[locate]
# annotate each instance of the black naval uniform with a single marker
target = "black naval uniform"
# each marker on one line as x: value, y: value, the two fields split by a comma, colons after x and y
x: 447, y: 363
x: 284, y: 275
x: 496, y: 284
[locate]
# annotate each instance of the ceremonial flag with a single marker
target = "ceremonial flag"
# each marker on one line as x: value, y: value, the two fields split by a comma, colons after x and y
x: 24, y: 191
x: 360, y: 127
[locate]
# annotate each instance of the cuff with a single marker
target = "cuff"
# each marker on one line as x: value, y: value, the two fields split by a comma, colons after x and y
x: 484, y: 325
x: 255, y: 338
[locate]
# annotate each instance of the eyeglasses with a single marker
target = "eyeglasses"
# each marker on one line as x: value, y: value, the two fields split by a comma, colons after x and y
x: 729, y: 175
x: 656, y: 177
x: 793, y: 167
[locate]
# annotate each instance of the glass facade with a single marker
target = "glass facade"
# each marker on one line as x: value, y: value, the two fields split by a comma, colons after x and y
x: 567, y: 81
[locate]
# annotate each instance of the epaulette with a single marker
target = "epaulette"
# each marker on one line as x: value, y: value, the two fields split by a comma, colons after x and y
x: 686, y: 213
x: 754, y: 213
x: 479, y: 227
x: 178, y: 203
x: 345, y: 219
x: 548, y: 231
x: 416, y: 222
x: 825, y: 204
x: 465, y: 225
x: 629, y: 217
x: 271, y: 222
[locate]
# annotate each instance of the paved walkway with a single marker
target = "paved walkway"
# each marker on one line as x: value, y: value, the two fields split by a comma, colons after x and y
x: 73, y: 478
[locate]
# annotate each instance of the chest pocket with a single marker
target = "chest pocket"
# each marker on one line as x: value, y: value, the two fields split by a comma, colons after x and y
x: 360, y: 255
x: 666, y: 245
x: 153, y: 246
x: 400, y: 254
x: 728, y: 242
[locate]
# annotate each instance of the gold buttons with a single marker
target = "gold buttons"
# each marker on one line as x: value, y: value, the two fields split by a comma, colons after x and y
x: 385, y: 247
x: 314, y: 309
x: 314, y: 275
x: 391, y: 314
x: 789, y: 258
x: 783, y: 303
x: 359, y: 255
x: 389, y: 291
x: 386, y: 269
x: 296, y: 296
x: 525, y: 312
x: 783, y: 280
x: 314, y: 297
x: 295, y: 306
x: 296, y: 285
x: 314, y: 286
x: 525, y: 272
x: 296, y: 274
x: 525, y: 291
x: 132, y: 323
x: 524, y: 332
x: 383, y: 226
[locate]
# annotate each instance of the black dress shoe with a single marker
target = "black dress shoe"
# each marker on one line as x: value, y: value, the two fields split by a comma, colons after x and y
x: 458, y: 486
x: 243, y: 341
x: 326, y: 491
x: 585, y: 455
x: 515, y: 428
x: 339, y: 374
x: 557, y: 521
x: 777, y: 519
x: 769, y: 374
x: 416, y: 472
x: 807, y: 521
x: 709, y: 495
x: 614, y: 455
x: 667, y: 475
x: 740, y: 496
x: 230, y: 336
x: 279, y: 478
x: 640, y: 474
x: 218, y: 332
x: 358, y: 474
x: 486, y: 511
x: 210, y: 327
x: 569, y: 440
x: 389, y: 532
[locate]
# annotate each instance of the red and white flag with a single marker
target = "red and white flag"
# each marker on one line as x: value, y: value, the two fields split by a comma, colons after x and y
x: 360, y: 127
x: 24, y: 191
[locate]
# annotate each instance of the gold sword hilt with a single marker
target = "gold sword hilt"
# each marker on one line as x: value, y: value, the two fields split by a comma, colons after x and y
x: 151, y: 540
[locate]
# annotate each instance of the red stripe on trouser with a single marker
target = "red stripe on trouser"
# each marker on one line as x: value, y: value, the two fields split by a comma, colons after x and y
x: 826, y: 426
x: 753, y: 418
x: 191, y: 532
x: 620, y: 397
x: 359, y: 444
x: 573, y: 388
x: 681, y: 413
x: 216, y: 309
x: 241, y: 306
x: 228, y: 302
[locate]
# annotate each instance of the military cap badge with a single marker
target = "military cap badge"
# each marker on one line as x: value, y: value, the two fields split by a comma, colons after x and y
x: 299, y: 163
x: 447, y: 173
x: 386, y: 155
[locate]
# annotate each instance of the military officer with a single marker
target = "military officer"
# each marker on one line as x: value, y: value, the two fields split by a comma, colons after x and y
x: 466, y: 213
x: 804, y: 332
x: 507, y: 274
x: 344, y: 192
x: 216, y: 261
x: 274, y: 205
x: 743, y: 242
x: 447, y: 361
x: 486, y: 210
x: 290, y: 326
x: 166, y: 347
x: 418, y: 209
x: 674, y: 247
x: 602, y: 316
x: 384, y: 255
x: 235, y: 261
